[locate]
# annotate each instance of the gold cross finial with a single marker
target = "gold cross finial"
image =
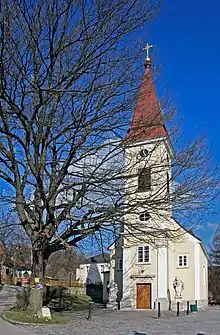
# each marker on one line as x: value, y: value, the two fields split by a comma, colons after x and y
x: 147, y: 48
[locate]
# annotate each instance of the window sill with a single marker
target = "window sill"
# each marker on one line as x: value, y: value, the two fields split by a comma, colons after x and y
x: 143, y: 263
x: 182, y: 267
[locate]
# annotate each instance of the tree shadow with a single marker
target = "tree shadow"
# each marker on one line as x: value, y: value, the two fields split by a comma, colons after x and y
x: 138, y: 333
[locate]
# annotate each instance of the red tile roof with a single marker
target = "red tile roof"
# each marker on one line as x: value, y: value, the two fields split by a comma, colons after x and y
x: 147, y: 122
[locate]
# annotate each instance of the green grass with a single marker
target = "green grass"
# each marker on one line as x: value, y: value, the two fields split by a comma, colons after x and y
x: 80, y: 302
x: 27, y: 317
x: 71, y: 303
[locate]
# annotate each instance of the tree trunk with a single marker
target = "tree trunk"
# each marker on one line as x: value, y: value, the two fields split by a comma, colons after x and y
x: 39, y: 265
x: 40, y: 257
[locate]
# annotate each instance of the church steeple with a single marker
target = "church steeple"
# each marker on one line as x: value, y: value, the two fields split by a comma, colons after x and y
x: 147, y: 122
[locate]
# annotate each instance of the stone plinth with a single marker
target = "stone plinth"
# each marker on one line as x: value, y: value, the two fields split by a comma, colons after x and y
x: 112, y: 305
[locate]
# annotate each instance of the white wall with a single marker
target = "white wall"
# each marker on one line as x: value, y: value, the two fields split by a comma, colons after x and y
x: 91, y: 273
x: 158, y: 160
x: 203, y: 278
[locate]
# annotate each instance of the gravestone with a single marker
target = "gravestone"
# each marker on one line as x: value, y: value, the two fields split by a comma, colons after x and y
x: 44, y: 312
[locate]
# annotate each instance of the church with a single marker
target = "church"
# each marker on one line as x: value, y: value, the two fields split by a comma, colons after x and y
x: 155, y: 259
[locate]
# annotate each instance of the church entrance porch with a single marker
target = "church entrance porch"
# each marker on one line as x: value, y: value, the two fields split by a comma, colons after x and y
x: 143, y: 296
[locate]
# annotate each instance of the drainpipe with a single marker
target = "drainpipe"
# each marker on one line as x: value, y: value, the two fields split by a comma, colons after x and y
x: 157, y: 273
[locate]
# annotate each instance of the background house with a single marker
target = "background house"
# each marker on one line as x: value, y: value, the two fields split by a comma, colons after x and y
x: 94, y: 272
x: 15, y: 262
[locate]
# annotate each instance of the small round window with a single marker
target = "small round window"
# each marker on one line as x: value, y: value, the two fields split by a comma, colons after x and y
x: 143, y: 153
x: 144, y: 216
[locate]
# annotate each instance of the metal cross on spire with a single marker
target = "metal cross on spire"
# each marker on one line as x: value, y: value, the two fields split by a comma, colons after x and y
x: 147, y: 48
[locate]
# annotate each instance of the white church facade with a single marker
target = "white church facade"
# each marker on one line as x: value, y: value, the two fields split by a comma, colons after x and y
x: 170, y: 273
x: 155, y: 259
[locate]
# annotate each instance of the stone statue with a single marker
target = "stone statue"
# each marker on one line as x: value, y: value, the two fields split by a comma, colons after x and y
x: 113, y: 289
x: 178, y: 286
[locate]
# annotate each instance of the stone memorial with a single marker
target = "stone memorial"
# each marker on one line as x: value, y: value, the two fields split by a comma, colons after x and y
x: 44, y: 312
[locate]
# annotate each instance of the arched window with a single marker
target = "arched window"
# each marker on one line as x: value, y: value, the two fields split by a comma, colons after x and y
x: 144, y: 216
x: 144, y: 179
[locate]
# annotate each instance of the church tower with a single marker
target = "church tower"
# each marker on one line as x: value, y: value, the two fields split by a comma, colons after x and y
x: 162, y: 262
x: 148, y: 155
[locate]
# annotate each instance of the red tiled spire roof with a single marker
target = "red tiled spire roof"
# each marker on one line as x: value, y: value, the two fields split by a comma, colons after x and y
x: 147, y: 122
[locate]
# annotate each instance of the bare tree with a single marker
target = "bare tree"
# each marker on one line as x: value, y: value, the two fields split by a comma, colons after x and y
x: 15, y: 247
x: 214, y: 266
x: 62, y: 264
x: 11, y: 232
x: 68, y: 83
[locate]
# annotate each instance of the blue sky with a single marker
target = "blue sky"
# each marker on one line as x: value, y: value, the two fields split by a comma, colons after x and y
x: 186, y: 38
